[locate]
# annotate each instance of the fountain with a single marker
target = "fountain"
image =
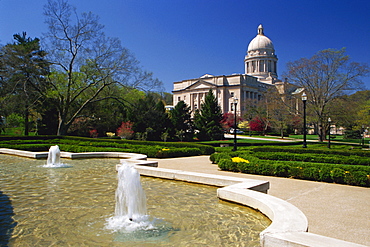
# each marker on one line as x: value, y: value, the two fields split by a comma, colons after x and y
x: 53, y: 156
x: 131, y: 219
x: 53, y: 160
x: 130, y: 196
x: 130, y: 199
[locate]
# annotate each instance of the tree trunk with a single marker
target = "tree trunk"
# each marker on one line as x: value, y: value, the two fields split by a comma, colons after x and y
x: 321, y: 133
x: 62, y: 127
x: 26, y: 121
x: 282, y: 133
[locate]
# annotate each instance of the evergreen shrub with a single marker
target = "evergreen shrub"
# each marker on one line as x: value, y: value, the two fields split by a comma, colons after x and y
x: 317, y: 158
x: 177, y: 152
x: 345, y: 174
x: 228, y: 165
x: 311, y: 173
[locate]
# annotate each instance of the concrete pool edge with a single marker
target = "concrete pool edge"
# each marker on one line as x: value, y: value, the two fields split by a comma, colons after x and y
x: 134, y: 158
x: 289, y: 225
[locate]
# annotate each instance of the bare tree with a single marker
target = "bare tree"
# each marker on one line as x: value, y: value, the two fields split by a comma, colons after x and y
x: 280, y: 110
x: 326, y: 75
x: 86, y: 62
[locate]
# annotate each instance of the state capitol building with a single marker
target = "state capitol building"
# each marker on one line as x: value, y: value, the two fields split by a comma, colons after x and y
x: 260, y: 74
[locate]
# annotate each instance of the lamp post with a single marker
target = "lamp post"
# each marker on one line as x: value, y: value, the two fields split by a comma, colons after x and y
x: 304, y: 99
x: 329, y: 121
x: 235, y: 124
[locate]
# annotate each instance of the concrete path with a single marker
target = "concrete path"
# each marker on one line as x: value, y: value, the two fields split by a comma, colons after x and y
x: 333, y: 210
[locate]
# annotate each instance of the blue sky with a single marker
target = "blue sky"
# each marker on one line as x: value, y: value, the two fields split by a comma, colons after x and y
x: 185, y: 39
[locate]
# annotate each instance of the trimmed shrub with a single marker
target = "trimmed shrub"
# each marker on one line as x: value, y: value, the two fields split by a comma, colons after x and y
x: 177, y: 152
x: 282, y: 170
x: 296, y: 172
x: 348, y: 174
x: 84, y: 144
x: 317, y: 158
x: 357, y: 178
x: 361, y: 178
x: 216, y: 157
x: 337, y: 175
x: 311, y: 173
x: 266, y: 168
x: 325, y: 174
x: 228, y: 165
x: 271, y: 149
x: 247, y: 167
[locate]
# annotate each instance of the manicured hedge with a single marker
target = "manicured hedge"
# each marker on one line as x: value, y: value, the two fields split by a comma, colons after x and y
x: 348, y: 152
x: 317, y: 158
x: 82, y: 144
x: 344, y: 174
x: 35, y: 147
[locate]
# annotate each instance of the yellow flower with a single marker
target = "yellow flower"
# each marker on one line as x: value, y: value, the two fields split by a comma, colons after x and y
x: 165, y: 149
x: 238, y: 159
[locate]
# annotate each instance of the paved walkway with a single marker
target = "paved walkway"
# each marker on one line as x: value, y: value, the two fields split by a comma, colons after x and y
x: 333, y: 210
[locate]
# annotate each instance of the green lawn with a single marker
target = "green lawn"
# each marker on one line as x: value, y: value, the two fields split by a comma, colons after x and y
x: 336, y: 138
x: 16, y: 131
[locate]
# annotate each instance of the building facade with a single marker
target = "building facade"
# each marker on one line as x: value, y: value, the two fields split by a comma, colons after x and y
x: 260, y: 75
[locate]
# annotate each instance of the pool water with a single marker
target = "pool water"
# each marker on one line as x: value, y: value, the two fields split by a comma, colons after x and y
x: 70, y: 206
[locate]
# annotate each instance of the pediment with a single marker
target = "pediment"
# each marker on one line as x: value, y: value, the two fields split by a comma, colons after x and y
x: 200, y: 84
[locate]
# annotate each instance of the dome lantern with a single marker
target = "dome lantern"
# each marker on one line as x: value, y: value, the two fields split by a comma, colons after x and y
x: 260, y: 30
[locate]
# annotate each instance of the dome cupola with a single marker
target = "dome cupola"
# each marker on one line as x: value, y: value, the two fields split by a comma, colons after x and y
x: 261, y: 42
x: 261, y: 60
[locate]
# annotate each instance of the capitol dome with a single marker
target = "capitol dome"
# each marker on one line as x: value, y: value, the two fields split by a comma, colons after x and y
x: 261, y: 60
x: 260, y: 42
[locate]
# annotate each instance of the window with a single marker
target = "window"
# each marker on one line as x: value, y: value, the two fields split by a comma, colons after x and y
x: 232, y: 94
x: 179, y: 98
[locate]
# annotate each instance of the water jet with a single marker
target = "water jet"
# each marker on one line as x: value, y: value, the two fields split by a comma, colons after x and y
x: 53, y: 160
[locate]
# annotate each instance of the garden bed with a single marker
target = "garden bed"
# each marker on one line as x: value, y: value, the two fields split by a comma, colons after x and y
x: 351, y: 169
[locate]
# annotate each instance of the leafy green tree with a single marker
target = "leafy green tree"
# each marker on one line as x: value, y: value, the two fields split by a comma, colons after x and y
x: 167, y: 98
x: 149, y: 118
x: 363, y: 115
x: 208, y: 119
x: 325, y: 76
x: 86, y: 63
x: 106, y: 115
x: 181, y: 120
x: 23, y: 69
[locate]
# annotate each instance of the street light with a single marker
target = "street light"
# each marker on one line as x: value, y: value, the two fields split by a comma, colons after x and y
x: 304, y: 99
x: 329, y: 121
x: 235, y: 124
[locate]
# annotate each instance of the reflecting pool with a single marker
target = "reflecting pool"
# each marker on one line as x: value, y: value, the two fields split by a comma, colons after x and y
x: 70, y: 206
